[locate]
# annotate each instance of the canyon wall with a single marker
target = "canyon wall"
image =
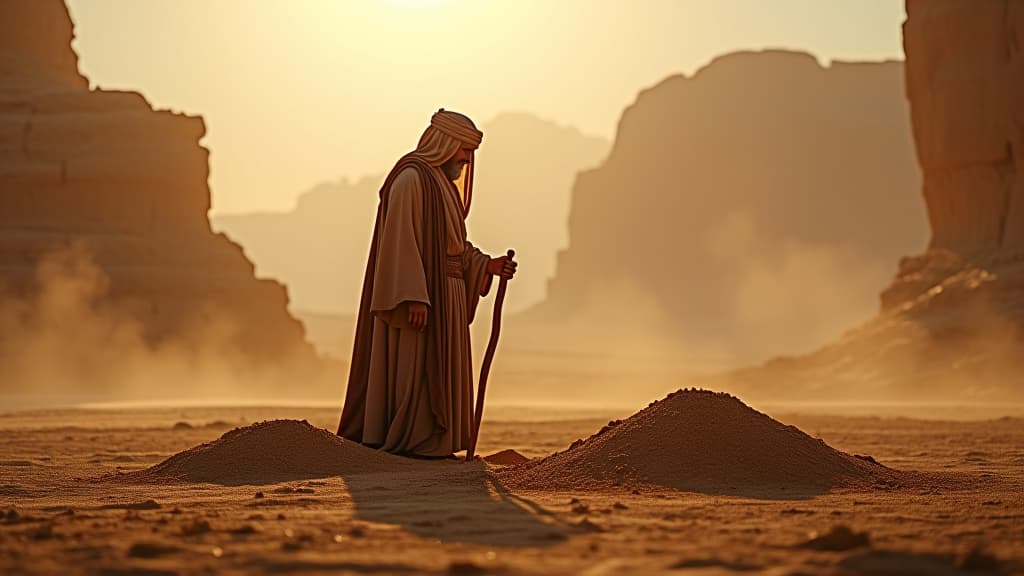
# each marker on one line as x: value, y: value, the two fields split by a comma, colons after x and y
x: 104, y: 201
x: 952, y: 324
x: 965, y: 82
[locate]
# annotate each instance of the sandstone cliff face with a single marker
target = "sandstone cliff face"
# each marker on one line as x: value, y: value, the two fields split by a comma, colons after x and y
x: 952, y: 326
x: 127, y: 186
x: 755, y: 207
x: 35, y: 40
x: 965, y: 83
x: 965, y: 80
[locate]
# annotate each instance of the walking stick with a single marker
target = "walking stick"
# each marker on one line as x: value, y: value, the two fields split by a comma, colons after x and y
x: 485, y: 368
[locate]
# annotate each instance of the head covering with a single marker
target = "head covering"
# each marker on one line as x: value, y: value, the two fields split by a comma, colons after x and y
x: 449, y: 131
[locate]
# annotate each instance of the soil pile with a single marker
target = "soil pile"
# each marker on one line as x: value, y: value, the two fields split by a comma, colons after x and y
x: 266, y: 453
x: 701, y: 441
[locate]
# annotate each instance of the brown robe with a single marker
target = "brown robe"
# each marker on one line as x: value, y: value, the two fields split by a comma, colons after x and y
x: 411, y: 392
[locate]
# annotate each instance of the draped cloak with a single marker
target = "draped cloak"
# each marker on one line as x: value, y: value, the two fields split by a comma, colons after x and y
x: 411, y: 392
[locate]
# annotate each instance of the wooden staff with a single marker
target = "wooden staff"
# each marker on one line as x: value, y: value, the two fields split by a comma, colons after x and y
x: 485, y: 368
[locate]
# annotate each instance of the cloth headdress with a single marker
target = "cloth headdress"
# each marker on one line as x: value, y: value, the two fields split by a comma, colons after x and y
x: 449, y: 131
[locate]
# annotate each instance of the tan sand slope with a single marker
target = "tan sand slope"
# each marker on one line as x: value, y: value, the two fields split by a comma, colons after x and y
x: 701, y: 441
x: 266, y: 453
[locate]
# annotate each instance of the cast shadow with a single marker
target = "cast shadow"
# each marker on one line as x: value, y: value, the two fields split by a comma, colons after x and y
x: 454, y: 502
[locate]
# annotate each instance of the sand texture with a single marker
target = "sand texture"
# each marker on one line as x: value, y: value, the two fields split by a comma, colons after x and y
x: 206, y: 491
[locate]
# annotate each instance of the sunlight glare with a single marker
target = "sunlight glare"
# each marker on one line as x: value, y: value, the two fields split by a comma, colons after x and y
x: 415, y: 3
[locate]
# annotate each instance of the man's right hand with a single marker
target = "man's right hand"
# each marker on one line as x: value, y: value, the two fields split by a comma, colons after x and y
x: 418, y: 315
x: 503, y: 267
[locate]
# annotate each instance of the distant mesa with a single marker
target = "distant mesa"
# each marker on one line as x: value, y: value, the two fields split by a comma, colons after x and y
x: 700, y: 441
x: 127, y: 185
x: 330, y: 226
x: 753, y: 208
x: 268, y: 453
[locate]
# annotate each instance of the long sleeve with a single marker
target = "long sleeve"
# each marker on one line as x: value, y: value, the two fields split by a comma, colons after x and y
x: 478, y: 280
x: 399, y: 275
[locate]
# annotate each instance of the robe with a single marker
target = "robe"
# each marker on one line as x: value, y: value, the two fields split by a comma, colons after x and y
x: 398, y: 411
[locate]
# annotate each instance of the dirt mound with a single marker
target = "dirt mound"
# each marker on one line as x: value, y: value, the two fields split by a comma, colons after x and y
x: 700, y: 441
x: 506, y: 458
x: 266, y: 453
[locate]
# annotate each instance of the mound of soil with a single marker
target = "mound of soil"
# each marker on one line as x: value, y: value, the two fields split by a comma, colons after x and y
x: 267, y: 453
x: 506, y: 458
x: 700, y: 441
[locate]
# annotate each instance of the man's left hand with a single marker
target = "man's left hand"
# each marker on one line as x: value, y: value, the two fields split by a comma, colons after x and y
x: 503, y: 267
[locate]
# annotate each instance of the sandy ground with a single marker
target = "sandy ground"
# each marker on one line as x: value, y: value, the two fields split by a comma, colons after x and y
x: 457, y: 518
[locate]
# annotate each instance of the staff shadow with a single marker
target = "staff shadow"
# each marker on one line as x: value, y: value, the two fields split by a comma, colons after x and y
x: 454, y: 502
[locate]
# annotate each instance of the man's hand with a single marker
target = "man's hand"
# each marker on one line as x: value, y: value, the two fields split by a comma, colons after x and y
x: 418, y: 315
x: 503, y: 266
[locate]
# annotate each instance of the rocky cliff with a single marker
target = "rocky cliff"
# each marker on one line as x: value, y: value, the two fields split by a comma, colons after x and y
x: 952, y: 326
x: 35, y: 45
x: 965, y: 81
x: 126, y: 187
x: 754, y: 207
x: 967, y: 106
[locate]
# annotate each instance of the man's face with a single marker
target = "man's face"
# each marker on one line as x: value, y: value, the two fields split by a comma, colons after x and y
x: 453, y: 167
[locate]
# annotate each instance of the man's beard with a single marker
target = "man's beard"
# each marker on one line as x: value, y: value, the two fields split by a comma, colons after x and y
x: 452, y: 170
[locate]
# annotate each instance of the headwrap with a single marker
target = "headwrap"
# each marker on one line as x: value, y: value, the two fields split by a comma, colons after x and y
x: 457, y: 126
x: 449, y: 131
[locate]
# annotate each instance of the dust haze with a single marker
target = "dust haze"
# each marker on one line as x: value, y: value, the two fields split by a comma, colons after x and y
x: 712, y: 236
x: 70, y: 341
x: 747, y: 223
x: 622, y: 346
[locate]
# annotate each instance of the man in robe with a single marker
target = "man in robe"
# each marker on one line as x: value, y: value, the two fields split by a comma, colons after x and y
x: 410, y: 387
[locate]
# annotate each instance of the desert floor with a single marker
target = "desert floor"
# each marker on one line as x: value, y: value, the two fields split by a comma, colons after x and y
x: 456, y: 518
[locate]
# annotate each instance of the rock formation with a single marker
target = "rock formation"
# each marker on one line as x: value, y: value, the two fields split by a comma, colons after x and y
x: 127, y: 186
x: 952, y: 326
x: 968, y: 115
x: 754, y: 207
x: 35, y: 45
x: 525, y: 169
x: 965, y: 82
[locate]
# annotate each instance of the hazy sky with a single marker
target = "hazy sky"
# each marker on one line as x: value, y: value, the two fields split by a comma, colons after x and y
x: 298, y: 92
